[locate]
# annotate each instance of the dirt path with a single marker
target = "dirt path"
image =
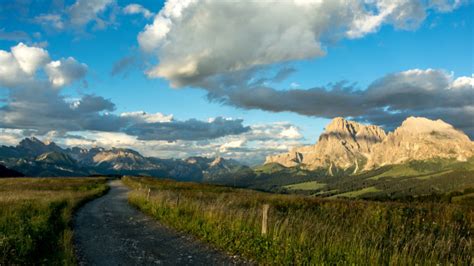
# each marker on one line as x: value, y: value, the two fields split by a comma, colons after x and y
x: 108, y: 231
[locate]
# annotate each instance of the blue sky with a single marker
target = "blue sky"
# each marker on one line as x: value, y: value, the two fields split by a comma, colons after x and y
x: 443, y: 40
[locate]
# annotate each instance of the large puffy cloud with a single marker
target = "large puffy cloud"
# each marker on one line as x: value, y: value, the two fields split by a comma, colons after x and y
x: 196, y: 39
x: 19, y: 68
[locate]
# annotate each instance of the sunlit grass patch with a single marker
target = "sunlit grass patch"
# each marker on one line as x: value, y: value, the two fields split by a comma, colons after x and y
x: 35, y: 215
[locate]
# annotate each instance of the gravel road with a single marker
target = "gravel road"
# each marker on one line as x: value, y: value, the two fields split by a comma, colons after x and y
x: 108, y: 231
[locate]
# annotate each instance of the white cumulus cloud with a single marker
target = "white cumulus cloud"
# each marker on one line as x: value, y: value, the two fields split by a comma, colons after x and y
x: 20, y: 67
x: 196, y: 39
x: 65, y: 71
x: 29, y: 58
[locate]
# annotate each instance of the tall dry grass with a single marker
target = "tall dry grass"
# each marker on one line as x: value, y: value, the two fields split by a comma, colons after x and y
x: 305, y: 230
x: 35, y: 215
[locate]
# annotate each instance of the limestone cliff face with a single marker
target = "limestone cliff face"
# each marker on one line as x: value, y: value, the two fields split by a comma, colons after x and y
x: 343, y: 144
x: 350, y: 145
x: 420, y: 138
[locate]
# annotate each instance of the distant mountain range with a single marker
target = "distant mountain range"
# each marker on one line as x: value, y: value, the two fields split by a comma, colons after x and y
x: 351, y: 147
x: 33, y: 157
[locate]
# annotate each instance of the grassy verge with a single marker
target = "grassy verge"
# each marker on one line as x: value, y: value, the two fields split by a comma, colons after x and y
x: 303, y: 230
x: 35, y: 216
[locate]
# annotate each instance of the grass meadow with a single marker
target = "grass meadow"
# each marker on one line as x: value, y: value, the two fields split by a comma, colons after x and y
x: 310, y: 230
x: 35, y: 216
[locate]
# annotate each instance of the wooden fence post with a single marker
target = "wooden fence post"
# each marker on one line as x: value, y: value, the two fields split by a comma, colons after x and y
x: 265, y: 209
x: 148, y: 194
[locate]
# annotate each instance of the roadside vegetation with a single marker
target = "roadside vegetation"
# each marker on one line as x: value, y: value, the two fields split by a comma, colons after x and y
x: 35, y: 217
x: 310, y: 230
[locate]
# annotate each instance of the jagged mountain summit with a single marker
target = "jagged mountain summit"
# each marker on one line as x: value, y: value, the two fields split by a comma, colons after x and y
x: 419, y: 138
x: 121, y: 159
x: 354, y: 147
x: 344, y: 144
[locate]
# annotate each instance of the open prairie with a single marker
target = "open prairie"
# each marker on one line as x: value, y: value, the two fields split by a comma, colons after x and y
x: 35, y: 215
x: 308, y: 230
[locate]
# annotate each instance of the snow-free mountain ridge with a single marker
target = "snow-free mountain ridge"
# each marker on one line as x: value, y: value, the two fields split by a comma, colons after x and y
x: 354, y: 147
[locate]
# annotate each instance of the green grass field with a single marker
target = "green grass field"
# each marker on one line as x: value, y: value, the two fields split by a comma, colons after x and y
x: 357, y: 193
x: 35, y: 215
x: 311, y: 185
x: 310, y: 230
x: 438, y: 179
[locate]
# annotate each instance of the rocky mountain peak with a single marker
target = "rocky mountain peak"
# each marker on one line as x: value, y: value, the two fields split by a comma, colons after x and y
x: 32, y: 141
x: 420, y: 138
x: 339, y: 124
x: 349, y: 132
x: 34, y: 147
x: 353, y: 146
x: 343, y: 144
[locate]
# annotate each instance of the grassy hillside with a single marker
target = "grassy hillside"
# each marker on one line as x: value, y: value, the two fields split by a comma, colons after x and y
x: 309, y: 230
x: 34, y: 218
x: 310, y: 185
x: 433, y: 180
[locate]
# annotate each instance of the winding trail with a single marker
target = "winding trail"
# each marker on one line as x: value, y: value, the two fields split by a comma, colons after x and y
x: 108, y: 231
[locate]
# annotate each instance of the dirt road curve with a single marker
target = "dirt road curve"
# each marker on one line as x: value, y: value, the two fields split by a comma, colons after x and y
x: 108, y: 231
